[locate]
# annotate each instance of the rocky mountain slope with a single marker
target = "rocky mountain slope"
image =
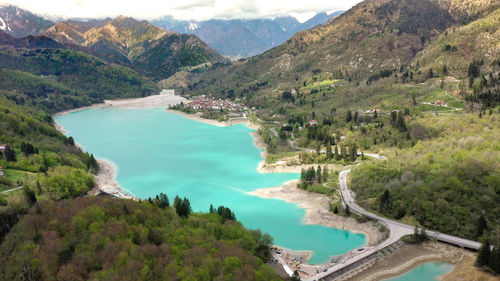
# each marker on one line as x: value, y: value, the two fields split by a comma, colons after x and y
x: 20, y: 23
x: 374, y: 39
x: 243, y: 38
x: 152, y: 50
x: 454, y: 50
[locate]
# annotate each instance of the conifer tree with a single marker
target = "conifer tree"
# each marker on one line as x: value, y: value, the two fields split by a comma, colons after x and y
x: 29, y: 195
x: 319, y: 175
x: 92, y: 164
x: 343, y: 152
x: 385, y: 201
x: 325, y: 173
x: 10, y: 154
x: 348, y: 117
x: 481, y: 226
x: 354, y: 152
x: 483, y: 256
x: 183, y: 207
x: 162, y: 200
x: 336, y: 153
x: 329, y: 154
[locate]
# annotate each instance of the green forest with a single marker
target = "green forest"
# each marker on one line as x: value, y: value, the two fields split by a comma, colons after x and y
x: 50, y: 231
x: 446, y: 183
x: 102, y: 238
x: 417, y: 81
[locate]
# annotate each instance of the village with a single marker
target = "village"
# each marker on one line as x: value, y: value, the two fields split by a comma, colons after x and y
x: 226, y: 106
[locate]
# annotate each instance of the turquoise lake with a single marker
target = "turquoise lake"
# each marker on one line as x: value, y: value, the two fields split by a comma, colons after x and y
x: 424, y: 272
x: 157, y: 151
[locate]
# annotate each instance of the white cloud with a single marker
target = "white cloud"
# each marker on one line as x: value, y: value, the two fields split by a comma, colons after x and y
x: 183, y: 9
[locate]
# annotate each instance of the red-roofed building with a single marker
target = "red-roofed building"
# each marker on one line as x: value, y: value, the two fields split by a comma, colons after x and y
x: 313, y: 122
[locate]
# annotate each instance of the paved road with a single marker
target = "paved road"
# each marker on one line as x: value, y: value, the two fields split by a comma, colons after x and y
x: 397, y: 230
x: 14, y: 189
x: 280, y: 259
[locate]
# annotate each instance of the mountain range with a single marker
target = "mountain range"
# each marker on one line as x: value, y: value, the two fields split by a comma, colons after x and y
x: 416, y: 80
x: 244, y: 38
x: 20, y: 23
x: 152, y: 50
x: 232, y: 38
x: 373, y: 37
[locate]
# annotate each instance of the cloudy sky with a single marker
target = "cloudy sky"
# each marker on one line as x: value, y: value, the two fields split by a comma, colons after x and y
x: 184, y: 9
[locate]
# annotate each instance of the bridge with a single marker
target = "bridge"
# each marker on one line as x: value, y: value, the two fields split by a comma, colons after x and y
x: 364, y: 255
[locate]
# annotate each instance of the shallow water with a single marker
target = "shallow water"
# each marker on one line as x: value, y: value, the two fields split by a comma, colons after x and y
x: 157, y: 151
x: 424, y: 272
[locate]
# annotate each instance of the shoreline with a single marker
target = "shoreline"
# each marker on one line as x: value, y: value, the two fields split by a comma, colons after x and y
x: 106, y: 177
x: 106, y: 181
x: 410, y: 256
x: 406, y: 267
x: 317, y: 207
x: 153, y: 101
x: 213, y: 122
x: 288, y: 192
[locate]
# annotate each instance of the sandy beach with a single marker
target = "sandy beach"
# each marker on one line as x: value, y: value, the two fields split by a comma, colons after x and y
x: 164, y: 99
x: 106, y: 182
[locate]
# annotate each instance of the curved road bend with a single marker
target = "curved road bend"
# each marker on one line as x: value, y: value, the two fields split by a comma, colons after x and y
x: 397, y: 230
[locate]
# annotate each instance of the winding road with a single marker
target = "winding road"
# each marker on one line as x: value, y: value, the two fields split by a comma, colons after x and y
x: 397, y: 230
x: 13, y: 189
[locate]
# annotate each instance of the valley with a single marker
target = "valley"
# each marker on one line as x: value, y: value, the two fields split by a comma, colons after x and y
x: 361, y: 145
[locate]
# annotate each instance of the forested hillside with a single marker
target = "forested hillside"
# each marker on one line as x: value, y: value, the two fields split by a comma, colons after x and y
x: 153, y: 51
x: 372, y: 41
x: 50, y: 231
x: 448, y: 181
x: 38, y: 158
x: 416, y: 80
x: 97, y: 238
x: 59, y: 79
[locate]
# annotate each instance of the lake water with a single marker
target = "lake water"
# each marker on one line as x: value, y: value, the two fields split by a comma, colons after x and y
x: 424, y: 272
x: 157, y: 151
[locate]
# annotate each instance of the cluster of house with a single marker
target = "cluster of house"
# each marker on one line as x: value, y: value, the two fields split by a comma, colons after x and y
x: 371, y: 111
x: 437, y: 103
x: 205, y: 103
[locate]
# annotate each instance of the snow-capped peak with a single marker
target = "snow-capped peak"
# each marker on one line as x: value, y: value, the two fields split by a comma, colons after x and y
x: 302, y: 17
x: 53, y: 18
x: 3, y: 25
x: 193, y: 26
